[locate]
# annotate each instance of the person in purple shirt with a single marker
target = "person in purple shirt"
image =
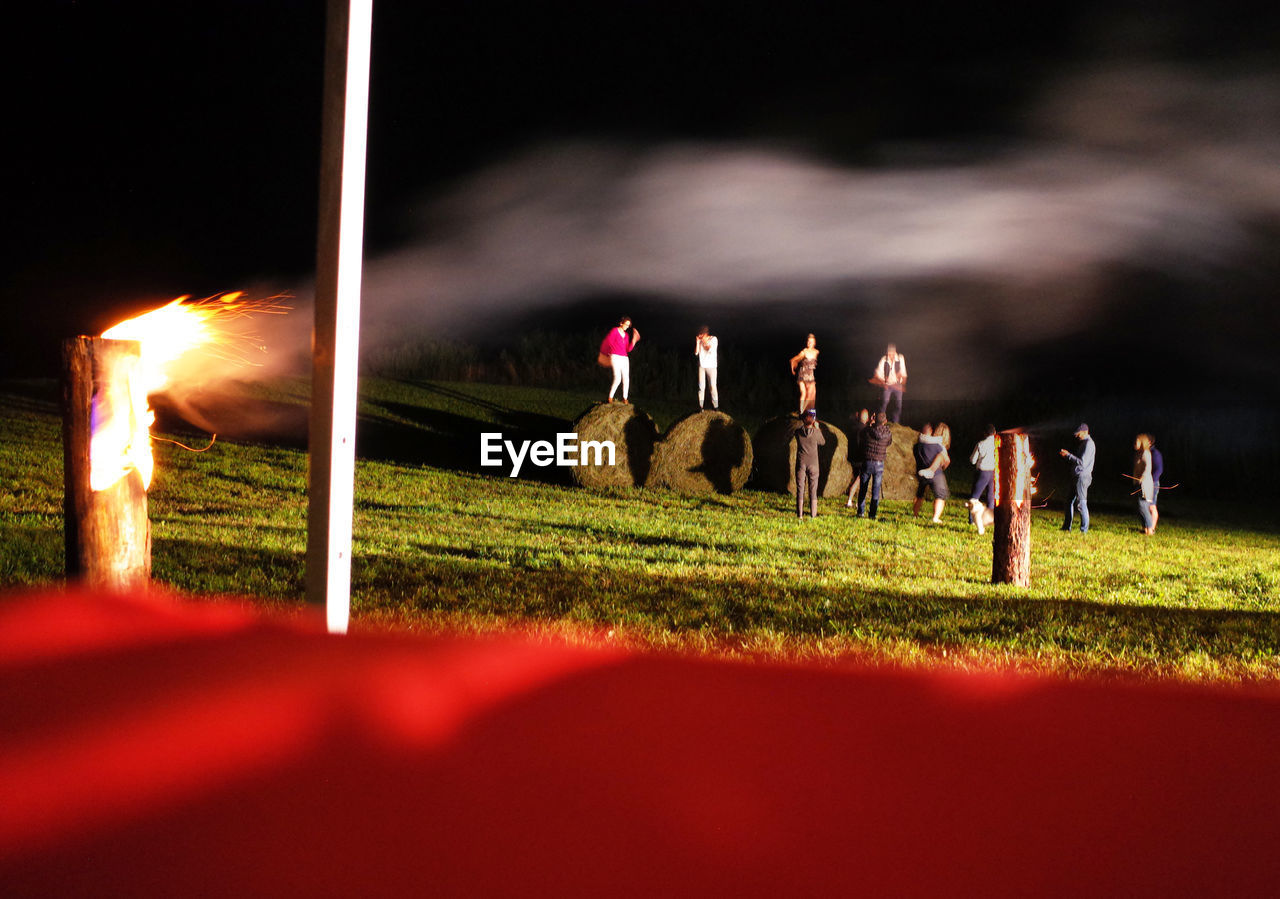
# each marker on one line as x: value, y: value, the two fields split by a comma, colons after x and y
x: 1157, y: 469
x: 617, y: 345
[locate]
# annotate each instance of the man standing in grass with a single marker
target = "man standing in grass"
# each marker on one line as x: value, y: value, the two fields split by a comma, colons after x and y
x: 1082, y: 459
x: 858, y: 453
x: 878, y: 439
x: 808, y: 438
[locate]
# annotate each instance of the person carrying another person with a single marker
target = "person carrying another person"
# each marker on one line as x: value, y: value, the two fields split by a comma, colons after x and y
x: 1157, y: 472
x: 809, y: 437
x: 705, y: 348
x: 879, y: 438
x: 1142, y: 474
x: 931, y: 460
x: 891, y: 375
x: 1082, y: 462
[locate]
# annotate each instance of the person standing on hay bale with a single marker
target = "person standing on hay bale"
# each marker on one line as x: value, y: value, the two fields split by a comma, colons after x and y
x: 858, y: 453
x: 1082, y: 459
x: 878, y: 439
x: 1142, y: 474
x: 705, y: 348
x: 617, y: 346
x: 808, y: 437
x: 932, y: 458
x: 891, y: 375
x: 803, y: 365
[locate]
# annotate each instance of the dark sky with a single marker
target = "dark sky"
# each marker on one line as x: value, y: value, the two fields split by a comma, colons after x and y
x: 1078, y: 177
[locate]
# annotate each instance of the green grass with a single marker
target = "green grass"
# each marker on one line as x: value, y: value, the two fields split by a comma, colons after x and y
x: 447, y: 550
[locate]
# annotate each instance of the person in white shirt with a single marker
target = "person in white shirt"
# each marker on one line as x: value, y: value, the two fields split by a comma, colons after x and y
x: 982, y: 497
x: 705, y: 348
x: 983, y: 458
x: 891, y: 374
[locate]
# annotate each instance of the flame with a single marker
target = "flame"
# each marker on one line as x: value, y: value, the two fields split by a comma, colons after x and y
x: 122, y: 415
x: 120, y: 439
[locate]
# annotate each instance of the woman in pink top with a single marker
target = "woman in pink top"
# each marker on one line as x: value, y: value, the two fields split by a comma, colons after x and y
x: 617, y: 345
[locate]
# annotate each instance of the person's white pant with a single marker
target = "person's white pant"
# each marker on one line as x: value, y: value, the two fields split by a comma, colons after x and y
x: 621, y: 375
x: 705, y: 375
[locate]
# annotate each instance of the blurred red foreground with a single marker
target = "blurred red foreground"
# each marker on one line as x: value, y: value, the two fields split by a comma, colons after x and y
x: 156, y: 747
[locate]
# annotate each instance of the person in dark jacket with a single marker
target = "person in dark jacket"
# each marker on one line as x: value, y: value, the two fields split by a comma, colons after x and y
x: 1082, y: 467
x: 808, y: 438
x: 878, y: 440
x: 858, y: 453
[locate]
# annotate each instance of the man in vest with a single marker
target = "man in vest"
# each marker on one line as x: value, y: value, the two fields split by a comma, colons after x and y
x: 891, y: 374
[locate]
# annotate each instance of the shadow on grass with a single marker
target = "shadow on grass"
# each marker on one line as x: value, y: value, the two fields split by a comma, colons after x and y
x: 1104, y: 634
x: 450, y: 440
x: 253, y: 572
x: 410, y: 434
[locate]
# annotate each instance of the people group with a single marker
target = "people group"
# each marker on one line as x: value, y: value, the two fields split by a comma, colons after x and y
x: 873, y: 437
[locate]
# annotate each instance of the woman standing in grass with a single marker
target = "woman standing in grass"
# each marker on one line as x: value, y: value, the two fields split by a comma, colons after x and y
x: 617, y: 345
x: 803, y: 365
x: 1146, y: 484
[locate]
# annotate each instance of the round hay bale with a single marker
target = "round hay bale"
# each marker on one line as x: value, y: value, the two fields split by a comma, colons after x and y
x: 775, y: 455
x: 706, y: 452
x: 900, y: 464
x: 632, y: 434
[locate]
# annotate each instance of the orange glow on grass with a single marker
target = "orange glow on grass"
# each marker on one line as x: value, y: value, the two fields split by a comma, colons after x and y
x: 121, y: 438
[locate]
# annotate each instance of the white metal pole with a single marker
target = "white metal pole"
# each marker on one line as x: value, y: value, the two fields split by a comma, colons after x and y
x: 336, y: 338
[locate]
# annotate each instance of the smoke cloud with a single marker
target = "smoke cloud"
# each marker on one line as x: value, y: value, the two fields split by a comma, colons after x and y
x: 1150, y: 166
x: 965, y: 250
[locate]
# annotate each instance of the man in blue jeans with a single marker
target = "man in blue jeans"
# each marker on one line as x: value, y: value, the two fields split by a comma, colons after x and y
x: 878, y: 439
x: 1082, y: 459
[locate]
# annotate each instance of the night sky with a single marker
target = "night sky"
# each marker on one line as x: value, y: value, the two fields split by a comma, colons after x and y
x: 1073, y: 198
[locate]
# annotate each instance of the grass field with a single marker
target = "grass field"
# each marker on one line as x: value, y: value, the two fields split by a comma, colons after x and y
x: 438, y: 547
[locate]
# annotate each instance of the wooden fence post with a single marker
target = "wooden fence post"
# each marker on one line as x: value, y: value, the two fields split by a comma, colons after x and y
x: 1011, y: 541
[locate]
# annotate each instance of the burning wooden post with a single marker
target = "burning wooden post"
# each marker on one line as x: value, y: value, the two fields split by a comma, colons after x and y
x: 106, y: 464
x: 1011, y: 542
